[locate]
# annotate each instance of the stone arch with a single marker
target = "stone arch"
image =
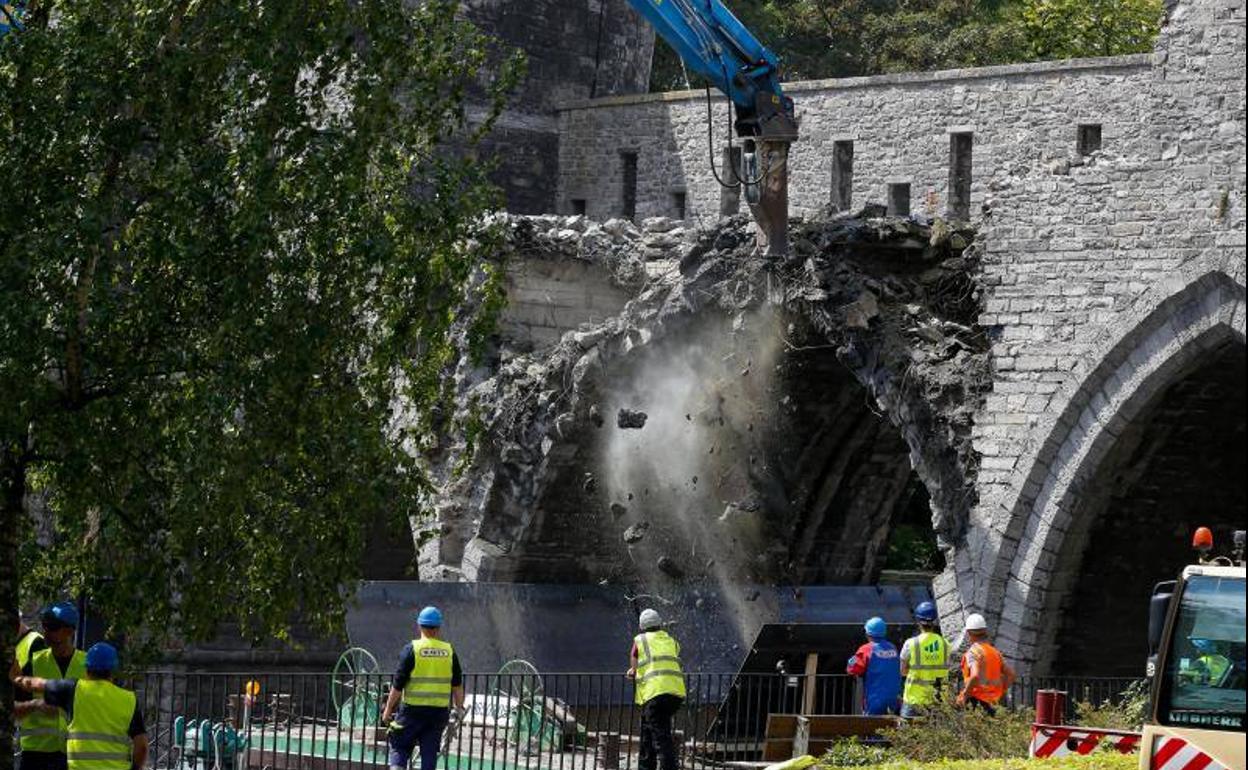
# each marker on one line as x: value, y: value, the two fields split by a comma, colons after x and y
x: 1171, y: 329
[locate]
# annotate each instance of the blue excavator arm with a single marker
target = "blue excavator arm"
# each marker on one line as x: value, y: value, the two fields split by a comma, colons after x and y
x: 715, y: 44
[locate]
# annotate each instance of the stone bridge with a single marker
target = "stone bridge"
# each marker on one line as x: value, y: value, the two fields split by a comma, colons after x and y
x: 1109, y: 196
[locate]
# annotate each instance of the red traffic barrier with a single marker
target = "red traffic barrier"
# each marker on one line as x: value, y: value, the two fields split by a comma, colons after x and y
x: 1056, y: 741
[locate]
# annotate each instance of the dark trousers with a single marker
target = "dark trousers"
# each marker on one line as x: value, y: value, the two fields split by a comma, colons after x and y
x: 42, y: 760
x: 988, y: 708
x: 422, y: 727
x: 657, y: 746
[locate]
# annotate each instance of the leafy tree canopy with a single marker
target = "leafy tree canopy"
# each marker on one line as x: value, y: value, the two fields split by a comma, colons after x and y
x: 844, y: 38
x: 233, y: 242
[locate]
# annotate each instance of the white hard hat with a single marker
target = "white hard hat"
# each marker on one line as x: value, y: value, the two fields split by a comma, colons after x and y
x: 649, y: 619
x: 976, y: 622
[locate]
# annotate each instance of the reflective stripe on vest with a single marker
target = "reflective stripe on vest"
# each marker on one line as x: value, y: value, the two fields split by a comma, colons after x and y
x: 991, y: 687
x: 429, y: 681
x: 928, y: 663
x: 658, y: 666
x: 99, y: 733
x: 47, y: 732
x: 22, y: 652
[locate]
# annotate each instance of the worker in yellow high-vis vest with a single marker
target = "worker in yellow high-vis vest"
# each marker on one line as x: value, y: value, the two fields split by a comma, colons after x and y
x: 29, y: 641
x: 924, y: 663
x: 43, y: 731
x: 428, y: 682
x: 654, y: 666
x: 105, y: 723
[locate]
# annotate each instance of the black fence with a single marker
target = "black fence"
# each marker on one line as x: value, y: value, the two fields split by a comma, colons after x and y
x: 521, y: 720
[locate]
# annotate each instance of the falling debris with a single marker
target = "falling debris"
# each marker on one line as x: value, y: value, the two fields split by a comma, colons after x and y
x: 860, y: 312
x: 893, y: 302
x: 627, y: 418
x: 636, y: 533
x: 669, y: 567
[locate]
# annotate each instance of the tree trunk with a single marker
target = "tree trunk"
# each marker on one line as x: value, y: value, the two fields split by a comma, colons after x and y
x: 12, y: 495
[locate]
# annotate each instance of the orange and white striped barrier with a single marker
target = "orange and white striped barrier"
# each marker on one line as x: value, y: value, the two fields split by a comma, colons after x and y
x: 1177, y: 754
x: 1061, y: 741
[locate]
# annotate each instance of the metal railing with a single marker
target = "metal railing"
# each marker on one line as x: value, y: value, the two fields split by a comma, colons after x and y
x: 567, y: 721
x: 1096, y: 690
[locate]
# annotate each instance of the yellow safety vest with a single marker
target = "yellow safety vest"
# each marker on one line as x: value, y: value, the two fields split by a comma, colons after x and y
x: 99, y: 733
x: 658, y: 666
x: 429, y: 681
x: 928, y: 664
x: 22, y: 653
x: 47, y: 732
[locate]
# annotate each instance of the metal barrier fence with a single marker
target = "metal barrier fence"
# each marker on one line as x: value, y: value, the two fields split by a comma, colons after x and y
x: 1096, y: 690
x: 525, y: 721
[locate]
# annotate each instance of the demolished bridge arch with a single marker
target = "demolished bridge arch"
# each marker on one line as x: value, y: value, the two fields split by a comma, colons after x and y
x: 1131, y: 255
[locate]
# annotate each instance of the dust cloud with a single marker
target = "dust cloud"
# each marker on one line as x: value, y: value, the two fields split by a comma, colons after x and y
x: 693, y: 473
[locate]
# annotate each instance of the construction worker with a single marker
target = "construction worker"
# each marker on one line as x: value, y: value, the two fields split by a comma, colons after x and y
x: 105, y: 724
x: 428, y: 681
x: 986, y: 677
x: 877, y: 663
x: 44, y: 731
x: 659, y: 687
x: 29, y: 641
x: 924, y: 663
x: 1210, y: 667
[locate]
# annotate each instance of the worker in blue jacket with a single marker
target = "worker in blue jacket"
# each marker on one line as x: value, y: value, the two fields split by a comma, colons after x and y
x: 879, y: 666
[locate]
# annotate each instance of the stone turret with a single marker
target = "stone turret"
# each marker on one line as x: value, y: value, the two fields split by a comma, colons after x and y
x: 576, y: 49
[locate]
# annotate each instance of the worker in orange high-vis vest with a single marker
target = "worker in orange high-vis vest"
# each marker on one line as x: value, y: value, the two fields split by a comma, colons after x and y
x: 986, y: 677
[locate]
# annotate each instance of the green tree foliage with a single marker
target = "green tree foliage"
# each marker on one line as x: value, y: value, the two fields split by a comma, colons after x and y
x: 232, y: 245
x: 948, y: 732
x: 845, y: 38
x: 1064, y: 29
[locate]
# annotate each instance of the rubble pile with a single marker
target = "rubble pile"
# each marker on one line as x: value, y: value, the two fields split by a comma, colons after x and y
x: 541, y: 437
x: 622, y: 247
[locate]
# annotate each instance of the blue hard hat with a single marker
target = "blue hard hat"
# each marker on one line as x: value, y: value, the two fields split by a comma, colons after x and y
x: 1204, y: 645
x: 64, y: 613
x: 926, y: 611
x: 876, y: 628
x: 102, y: 657
x: 429, y: 617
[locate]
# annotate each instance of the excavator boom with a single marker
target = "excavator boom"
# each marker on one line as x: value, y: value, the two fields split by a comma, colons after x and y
x: 716, y: 45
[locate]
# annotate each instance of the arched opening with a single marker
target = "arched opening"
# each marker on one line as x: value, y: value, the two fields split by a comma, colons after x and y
x: 1107, y: 444
x: 1181, y: 463
x: 761, y: 459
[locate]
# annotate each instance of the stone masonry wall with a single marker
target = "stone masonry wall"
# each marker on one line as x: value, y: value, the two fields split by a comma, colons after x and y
x: 900, y: 126
x: 1111, y: 274
x: 576, y: 49
x: 546, y: 299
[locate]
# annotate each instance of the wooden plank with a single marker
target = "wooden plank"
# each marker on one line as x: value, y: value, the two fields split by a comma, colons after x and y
x: 801, y: 741
x: 808, y: 694
x: 823, y: 731
x: 780, y: 726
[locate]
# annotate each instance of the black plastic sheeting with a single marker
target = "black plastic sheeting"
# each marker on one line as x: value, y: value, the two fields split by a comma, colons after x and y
x: 589, y: 628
